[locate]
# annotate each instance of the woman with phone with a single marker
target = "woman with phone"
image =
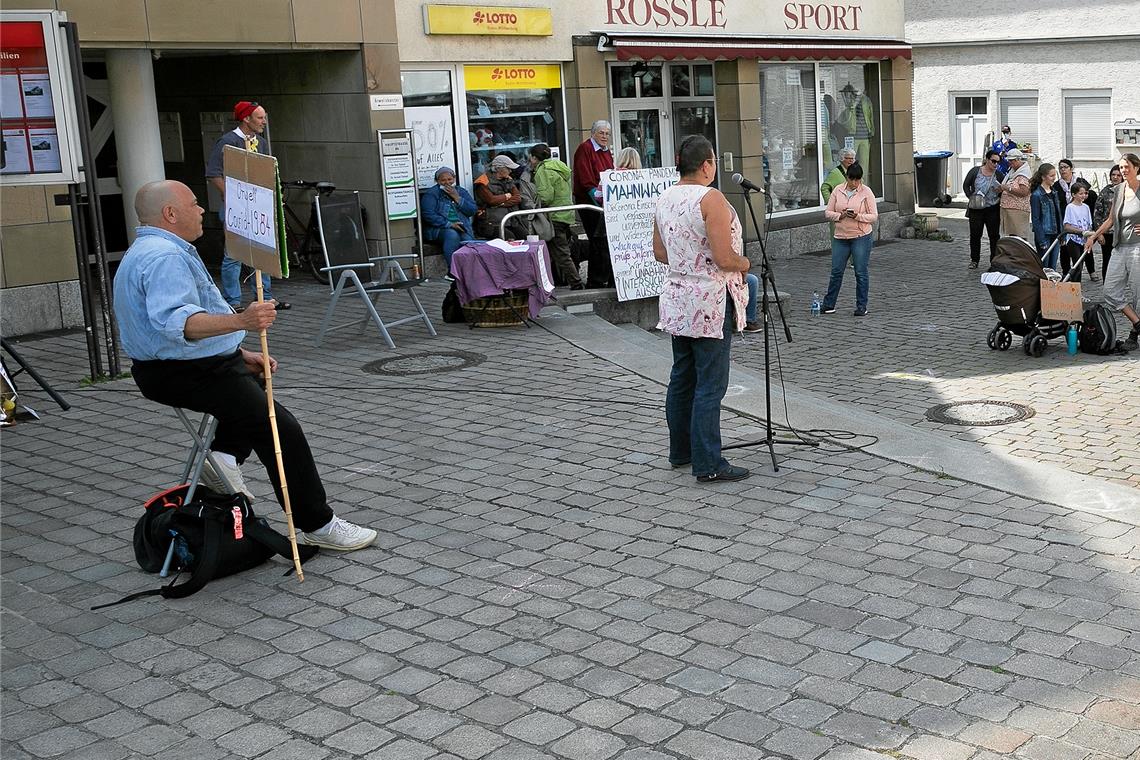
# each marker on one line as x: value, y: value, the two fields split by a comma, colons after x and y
x: 852, y: 207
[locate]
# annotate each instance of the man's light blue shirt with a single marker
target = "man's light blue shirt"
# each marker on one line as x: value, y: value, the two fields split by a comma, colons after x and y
x: 161, y: 283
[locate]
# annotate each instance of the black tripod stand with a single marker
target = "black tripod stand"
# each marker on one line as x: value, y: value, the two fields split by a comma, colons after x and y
x: 768, y: 280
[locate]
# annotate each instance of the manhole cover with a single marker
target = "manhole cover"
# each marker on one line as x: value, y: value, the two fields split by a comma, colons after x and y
x: 979, y: 413
x: 424, y: 364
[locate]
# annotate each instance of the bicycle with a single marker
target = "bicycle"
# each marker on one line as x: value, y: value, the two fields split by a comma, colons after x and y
x: 304, y: 240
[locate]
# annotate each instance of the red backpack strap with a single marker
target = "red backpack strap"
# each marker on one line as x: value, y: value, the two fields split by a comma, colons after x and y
x: 171, y: 497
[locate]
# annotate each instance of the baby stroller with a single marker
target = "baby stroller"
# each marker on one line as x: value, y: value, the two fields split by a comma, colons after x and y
x: 1014, y: 281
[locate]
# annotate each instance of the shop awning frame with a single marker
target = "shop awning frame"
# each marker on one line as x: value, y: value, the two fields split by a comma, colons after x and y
x: 644, y: 48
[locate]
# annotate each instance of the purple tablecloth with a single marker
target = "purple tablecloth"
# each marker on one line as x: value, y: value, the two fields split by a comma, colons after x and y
x: 482, y: 270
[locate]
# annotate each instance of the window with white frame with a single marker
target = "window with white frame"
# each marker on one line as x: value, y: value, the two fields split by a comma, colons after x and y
x: 1088, y: 124
x: 1019, y: 111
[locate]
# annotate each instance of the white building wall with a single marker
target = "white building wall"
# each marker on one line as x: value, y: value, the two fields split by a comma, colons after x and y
x: 991, y: 48
x: 942, y: 71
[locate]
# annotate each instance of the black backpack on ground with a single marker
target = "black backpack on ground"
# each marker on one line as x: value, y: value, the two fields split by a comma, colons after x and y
x: 452, y: 309
x: 1098, y: 331
x: 213, y: 536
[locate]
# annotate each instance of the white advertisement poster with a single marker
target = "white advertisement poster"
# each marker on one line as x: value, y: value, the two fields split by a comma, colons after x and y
x: 251, y: 213
x: 37, y: 96
x: 11, y: 99
x: 45, y: 150
x: 630, y: 201
x: 14, y: 158
x: 434, y: 146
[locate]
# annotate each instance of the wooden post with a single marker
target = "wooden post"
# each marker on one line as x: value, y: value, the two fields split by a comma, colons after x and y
x: 276, y: 437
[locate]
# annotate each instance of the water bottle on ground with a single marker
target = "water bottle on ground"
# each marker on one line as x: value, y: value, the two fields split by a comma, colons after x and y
x: 1071, y: 339
x: 816, y: 304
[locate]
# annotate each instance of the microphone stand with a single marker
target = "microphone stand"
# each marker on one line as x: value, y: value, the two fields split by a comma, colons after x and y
x: 768, y: 279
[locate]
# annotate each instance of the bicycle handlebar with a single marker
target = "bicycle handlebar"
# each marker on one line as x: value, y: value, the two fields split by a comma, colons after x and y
x: 320, y: 185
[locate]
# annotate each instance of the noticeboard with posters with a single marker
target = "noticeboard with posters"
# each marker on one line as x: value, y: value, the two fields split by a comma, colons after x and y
x: 37, y: 110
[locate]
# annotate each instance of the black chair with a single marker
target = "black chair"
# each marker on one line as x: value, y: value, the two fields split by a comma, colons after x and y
x: 346, y: 253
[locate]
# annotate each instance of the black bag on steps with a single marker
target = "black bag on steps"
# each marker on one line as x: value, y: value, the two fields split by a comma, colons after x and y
x: 213, y: 536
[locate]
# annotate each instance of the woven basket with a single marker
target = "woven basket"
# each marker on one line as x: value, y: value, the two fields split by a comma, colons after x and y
x: 495, y: 311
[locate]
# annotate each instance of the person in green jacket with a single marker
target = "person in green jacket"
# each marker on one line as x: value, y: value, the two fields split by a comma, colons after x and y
x: 838, y: 175
x: 552, y: 180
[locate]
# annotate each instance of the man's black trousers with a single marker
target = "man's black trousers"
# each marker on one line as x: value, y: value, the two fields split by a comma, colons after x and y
x: 223, y: 387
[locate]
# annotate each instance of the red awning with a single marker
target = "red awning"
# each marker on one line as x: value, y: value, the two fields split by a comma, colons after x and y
x: 649, y: 48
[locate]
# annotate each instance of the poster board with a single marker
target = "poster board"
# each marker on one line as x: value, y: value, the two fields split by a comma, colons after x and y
x: 398, y: 176
x: 630, y: 201
x: 255, y: 219
x: 1061, y: 301
x: 434, y: 145
x: 39, y: 137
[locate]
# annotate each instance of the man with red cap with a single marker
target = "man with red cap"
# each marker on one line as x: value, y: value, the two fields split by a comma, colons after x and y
x: 248, y: 135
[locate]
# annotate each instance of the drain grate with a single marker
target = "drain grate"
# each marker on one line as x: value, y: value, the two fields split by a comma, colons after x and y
x: 424, y: 364
x: 979, y: 413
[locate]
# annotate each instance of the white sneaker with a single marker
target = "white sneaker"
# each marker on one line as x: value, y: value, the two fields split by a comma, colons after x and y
x: 230, y: 480
x: 340, y: 535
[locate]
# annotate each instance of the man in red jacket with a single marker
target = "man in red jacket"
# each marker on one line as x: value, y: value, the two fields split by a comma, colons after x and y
x: 591, y: 159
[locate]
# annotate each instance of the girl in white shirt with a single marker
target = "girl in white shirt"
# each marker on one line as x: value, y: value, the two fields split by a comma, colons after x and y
x: 1078, y: 223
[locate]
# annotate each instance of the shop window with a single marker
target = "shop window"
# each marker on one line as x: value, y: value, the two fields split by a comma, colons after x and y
x: 1019, y: 111
x: 640, y: 80
x: 681, y: 81
x: 849, y: 94
x: 788, y: 118
x: 703, y: 74
x: 428, y: 113
x: 512, y: 119
x: 1088, y: 125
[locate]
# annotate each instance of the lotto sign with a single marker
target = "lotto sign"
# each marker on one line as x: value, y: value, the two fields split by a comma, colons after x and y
x: 535, y: 76
x: 253, y: 218
x: 484, y: 19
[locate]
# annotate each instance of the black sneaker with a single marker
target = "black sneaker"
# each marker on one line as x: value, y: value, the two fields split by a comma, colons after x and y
x: 283, y: 306
x: 1133, y: 341
x: 753, y: 327
x: 861, y: 312
x: 728, y: 473
x: 827, y: 310
x: 973, y: 265
x: 678, y: 465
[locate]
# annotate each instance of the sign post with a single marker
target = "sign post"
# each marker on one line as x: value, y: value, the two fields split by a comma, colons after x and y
x: 399, y: 176
x: 254, y: 236
x: 630, y: 202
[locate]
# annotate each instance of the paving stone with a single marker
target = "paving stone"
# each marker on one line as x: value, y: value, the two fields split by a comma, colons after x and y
x: 538, y: 727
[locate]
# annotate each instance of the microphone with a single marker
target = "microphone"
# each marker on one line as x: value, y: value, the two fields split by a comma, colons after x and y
x: 747, y: 184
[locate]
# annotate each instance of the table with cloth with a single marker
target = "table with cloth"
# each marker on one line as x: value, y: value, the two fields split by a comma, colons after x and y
x: 482, y: 270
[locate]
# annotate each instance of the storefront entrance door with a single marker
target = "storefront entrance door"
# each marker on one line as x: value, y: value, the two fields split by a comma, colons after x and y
x: 639, y: 127
x: 971, y: 123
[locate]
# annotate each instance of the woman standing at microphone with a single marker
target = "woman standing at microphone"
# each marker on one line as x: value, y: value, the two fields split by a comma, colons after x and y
x: 852, y: 208
x: 698, y: 235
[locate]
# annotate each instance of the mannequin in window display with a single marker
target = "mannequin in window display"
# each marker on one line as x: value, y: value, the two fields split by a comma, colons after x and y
x: 859, y: 121
x: 827, y: 116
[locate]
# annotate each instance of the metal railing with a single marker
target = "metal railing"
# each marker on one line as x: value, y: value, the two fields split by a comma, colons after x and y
x: 546, y: 210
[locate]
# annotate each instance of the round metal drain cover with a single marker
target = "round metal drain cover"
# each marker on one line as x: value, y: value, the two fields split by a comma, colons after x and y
x: 979, y: 413
x: 424, y: 364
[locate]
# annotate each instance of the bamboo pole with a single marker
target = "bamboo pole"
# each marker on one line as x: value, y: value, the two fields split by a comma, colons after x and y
x: 276, y: 437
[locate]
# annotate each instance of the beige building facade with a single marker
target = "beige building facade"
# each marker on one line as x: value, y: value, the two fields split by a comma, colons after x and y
x: 779, y: 89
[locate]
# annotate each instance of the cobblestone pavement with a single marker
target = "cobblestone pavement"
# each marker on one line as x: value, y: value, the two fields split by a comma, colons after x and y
x: 545, y: 586
x: 925, y: 344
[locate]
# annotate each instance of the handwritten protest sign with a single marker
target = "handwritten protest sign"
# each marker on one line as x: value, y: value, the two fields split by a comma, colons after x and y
x: 630, y: 199
x: 253, y: 219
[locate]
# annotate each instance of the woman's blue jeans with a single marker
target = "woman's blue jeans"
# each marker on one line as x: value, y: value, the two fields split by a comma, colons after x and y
x: 751, y: 310
x: 692, y: 403
x: 842, y: 251
x: 450, y: 238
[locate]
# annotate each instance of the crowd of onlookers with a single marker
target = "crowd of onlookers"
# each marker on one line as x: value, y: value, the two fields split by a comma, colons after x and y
x: 1063, y: 217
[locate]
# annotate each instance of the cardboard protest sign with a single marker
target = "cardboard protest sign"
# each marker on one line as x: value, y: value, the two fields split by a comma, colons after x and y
x: 630, y: 201
x: 1062, y: 301
x: 254, y: 219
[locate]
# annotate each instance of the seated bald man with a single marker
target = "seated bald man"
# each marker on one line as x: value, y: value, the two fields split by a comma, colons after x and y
x: 185, y: 341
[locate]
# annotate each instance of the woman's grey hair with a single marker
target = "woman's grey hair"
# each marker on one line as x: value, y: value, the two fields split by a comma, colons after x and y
x: 846, y: 153
x: 598, y: 125
x: 628, y: 158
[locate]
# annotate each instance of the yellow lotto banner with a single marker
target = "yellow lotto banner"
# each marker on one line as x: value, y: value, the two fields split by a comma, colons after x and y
x: 531, y: 76
x: 480, y: 19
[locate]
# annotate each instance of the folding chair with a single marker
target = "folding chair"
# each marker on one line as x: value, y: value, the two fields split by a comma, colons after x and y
x: 203, y: 434
x: 346, y: 251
